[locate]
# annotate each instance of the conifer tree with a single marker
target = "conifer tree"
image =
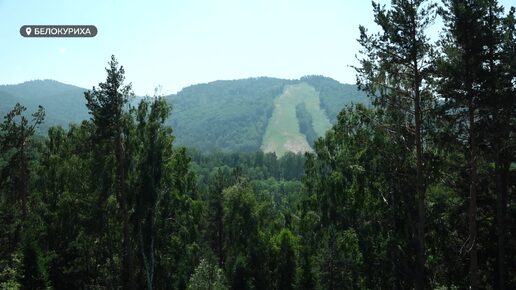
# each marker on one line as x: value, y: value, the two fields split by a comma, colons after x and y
x: 394, y: 70
x: 107, y: 107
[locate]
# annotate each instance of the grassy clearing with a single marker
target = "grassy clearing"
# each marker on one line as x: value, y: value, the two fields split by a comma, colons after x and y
x: 282, y: 133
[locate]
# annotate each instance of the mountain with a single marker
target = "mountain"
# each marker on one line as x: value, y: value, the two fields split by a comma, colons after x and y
x: 258, y: 113
x: 64, y: 104
x: 275, y: 115
x: 225, y: 115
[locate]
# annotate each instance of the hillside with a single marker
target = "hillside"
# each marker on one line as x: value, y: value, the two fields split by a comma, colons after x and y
x: 334, y: 95
x: 236, y: 115
x: 230, y: 115
x: 64, y: 104
x: 225, y: 115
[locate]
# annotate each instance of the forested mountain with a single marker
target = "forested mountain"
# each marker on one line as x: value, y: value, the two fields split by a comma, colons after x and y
x: 234, y: 115
x: 222, y: 115
x: 64, y: 104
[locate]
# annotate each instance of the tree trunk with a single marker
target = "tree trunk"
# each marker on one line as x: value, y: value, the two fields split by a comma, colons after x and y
x: 23, y: 189
x: 501, y: 169
x: 472, y: 213
x: 501, y: 166
x: 420, y: 192
x: 420, y: 251
x: 148, y: 258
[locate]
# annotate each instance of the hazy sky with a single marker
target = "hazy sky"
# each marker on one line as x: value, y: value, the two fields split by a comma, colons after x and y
x: 183, y: 42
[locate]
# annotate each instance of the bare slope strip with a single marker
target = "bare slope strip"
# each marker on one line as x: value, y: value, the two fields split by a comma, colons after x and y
x: 283, y: 134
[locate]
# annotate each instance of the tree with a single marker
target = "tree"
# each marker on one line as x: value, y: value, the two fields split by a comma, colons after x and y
x: 340, y: 260
x: 106, y: 105
x: 78, y: 227
x: 177, y: 223
x: 500, y: 37
x: 307, y: 230
x: 286, y: 254
x: 16, y: 137
x: 9, y: 276
x: 34, y: 270
x: 460, y: 70
x: 154, y: 147
x: 395, y: 72
x: 207, y: 276
x: 16, y: 133
x: 215, y: 219
x: 240, y: 276
x: 242, y: 239
x: 351, y: 183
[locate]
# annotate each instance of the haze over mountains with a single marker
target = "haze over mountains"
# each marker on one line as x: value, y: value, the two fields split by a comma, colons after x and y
x: 275, y: 115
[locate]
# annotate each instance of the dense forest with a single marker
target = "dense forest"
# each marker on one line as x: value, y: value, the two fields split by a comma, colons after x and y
x: 415, y: 191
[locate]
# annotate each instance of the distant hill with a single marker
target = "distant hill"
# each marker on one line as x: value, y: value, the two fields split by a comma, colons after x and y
x: 64, y: 104
x: 234, y: 115
x: 225, y: 115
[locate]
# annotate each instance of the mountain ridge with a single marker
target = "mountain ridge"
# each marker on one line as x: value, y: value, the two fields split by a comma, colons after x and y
x: 221, y: 115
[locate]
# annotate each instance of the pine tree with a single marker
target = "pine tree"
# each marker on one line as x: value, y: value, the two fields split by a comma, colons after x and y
x: 215, y: 219
x: 500, y: 37
x: 395, y: 71
x: 286, y: 260
x: 16, y: 133
x: 461, y: 71
x: 207, y: 276
x: 107, y: 107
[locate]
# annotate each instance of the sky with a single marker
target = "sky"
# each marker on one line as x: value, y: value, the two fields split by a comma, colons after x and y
x: 176, y: 43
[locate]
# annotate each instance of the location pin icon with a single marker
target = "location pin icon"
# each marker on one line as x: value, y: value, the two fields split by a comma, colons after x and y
x: 28, y: 30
